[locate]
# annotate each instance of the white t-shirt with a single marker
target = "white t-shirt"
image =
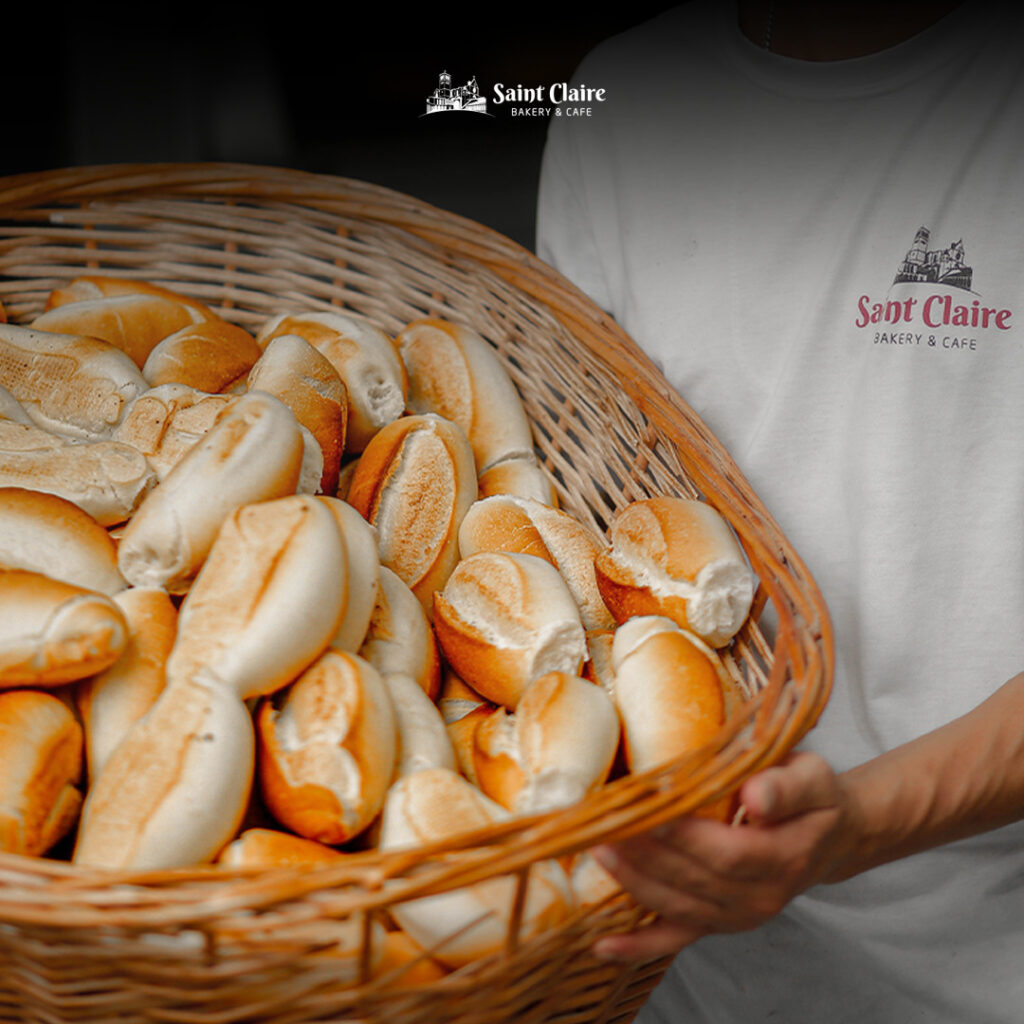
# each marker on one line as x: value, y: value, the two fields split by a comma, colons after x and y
x: 827, y: 261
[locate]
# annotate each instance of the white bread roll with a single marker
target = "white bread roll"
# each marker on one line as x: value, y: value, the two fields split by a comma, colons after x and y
x: 110, y: 703
x: 266, y: 602
x: 400, y: 640
x: 327, y: 747
x: 40, y: 767
x: 423, y: 740
x: 521, y: 475
x: 75, y: 386
x: 505, y: 522
x: 175, y: 790
x: 454, y: 373
x: 52, y: 632
x: 598, y: 668
x: 679, y: 558
x: 252, y: 453
x: 415, y: 481
x: 465, y: 924
x: 293, y: 371
x: 167, y: 422
x: 48, y: 534
x: 558, y: 745
x: 270, y: 848
x: 362, y: 574
x: 591, y: 883
x: 106, y: 479
x: 504, y: 619
x: 668, y: 691
x: 366, y: 360
x: 10, y: 408
x: 207, y: 356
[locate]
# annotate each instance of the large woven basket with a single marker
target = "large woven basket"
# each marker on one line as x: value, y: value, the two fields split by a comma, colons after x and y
x: 209, y: 946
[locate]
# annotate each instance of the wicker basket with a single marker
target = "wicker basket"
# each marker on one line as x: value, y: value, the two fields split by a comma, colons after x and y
x: 208, y: 946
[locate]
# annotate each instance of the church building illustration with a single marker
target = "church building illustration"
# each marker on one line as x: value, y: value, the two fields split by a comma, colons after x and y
x: 460, y: 97
x: 935, y: 266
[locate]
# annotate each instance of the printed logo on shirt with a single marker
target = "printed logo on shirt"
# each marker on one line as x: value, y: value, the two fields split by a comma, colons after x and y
x: 929, y: 304
x: 560, y: 99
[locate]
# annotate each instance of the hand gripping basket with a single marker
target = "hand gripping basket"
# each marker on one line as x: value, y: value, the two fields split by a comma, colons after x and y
x: 209, y: 946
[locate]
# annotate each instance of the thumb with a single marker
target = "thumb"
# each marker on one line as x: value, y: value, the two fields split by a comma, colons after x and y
x: 802, y: 782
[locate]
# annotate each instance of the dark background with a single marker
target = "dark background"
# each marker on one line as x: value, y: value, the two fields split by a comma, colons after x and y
x: 339, y: 91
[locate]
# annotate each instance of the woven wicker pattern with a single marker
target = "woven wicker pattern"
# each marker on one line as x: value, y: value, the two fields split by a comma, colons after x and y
x: 206, y: 946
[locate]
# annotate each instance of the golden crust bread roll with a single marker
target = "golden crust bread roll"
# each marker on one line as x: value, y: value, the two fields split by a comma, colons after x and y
x: 52, y: 632
x: 679, y: 558
x: 293, y: 371
x: 522, y: 476
x: 97, y: 286
x: 423, y: 740
x: 110, y: 703
x: 362, y: 573
x: 252, y: 453
x: 404, y: 964
x: 207, y: 356
x: 503, y: 619
x: 454, y: 373
x: 400, y: 639
x: 40, y: 767
x: 266, y: 602
x: 48, y: 534
x: 106, y: 479
x: 414, y: 482
x: 71, y: 385
x: 465, y: 924
x: 366, y: 360
x: 558, y: 745
x: 270, y: 848
x: 506, y: 522
x: 327, y: 747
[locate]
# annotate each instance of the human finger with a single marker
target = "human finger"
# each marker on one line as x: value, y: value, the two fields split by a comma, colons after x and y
x: 661, y: 938
x: 803, y: 782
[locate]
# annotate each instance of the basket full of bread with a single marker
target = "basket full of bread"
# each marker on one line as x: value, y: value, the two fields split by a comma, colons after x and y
x: 358, y: 577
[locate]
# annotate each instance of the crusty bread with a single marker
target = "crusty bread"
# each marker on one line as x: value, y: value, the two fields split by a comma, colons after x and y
x: 521, y: 475
x: 558, y: 745
x: 679, y: 558
x: 423, y: 741
x: 97, y: 286
x: 366, y: 360
x: 506, y: 522
x: 414, y: 482
x: 327, y: 748
x: 110, y: 703
x: 503, y: 619
x: 10, y: 408
x: 72, y: 385
x: 48, y: 534
x: 271, y: 848
x: 406, y: 964
x: 266, y: 602
x: 293, y: 371
x: 252, y: 453
x: 40, y: 768
x: 207, y: 356
x: 52, y: 632
x: 106, y: 479
x: 471, y: 922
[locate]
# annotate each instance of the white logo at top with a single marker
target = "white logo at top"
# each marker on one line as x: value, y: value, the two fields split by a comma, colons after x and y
x: 460, y: 97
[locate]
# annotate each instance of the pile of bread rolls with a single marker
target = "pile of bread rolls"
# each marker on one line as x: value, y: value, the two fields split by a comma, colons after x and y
x: 268, y: 598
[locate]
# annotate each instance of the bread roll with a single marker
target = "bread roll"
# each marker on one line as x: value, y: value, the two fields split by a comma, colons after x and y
x: 668, y: 691
x: 556, y: 747
x: 366, y: 360
x: 253, y: 453
x: 423, y: 741
x: 327, y: 749
x: 465, y: 924
x: 269, y: 848
x: 175, y: 790
x: 48, y: 534
x: 267, y: 601
x: 400, y: 639
x: 414, y: 482
x: 591, y: 883
x: 508, y: 523
x: 40, y: 767
x: 504, y: 619
x: 10, y: 408
x: 362, y: 574
x: 72, y: 385
x: 405, y: 964
x: 293, y: 371
x: 454, y: 373
x: 598, y: 668
x: 106, y: 479
x: 679, y: 558
x: 52, y: 632
x: 520, y: 475
x: 97, y: 286
x: 207, y: 356
x: 110, y: 703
